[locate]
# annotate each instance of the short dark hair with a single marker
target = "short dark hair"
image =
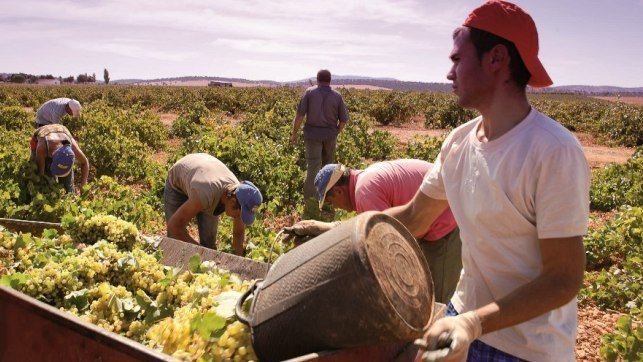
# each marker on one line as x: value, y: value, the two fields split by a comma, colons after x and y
x: 484, y: 41
x: 323, y: 76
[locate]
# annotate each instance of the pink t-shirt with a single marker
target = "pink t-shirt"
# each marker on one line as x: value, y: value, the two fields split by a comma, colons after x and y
x: 393, y: 183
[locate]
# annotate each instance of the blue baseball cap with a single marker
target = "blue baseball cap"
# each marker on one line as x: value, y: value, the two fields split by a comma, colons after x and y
x: 250, y: 199
x: 62, y: 161
x: 326, y: 178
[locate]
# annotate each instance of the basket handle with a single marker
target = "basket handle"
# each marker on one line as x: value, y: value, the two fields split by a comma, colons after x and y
x: 241, y: 317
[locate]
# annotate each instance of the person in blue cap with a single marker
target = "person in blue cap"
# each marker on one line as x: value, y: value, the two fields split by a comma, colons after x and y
x: 199, y: 185
x: 55, y: 152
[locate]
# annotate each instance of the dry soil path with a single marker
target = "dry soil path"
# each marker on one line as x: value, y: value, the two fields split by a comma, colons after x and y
x: 597, y: 155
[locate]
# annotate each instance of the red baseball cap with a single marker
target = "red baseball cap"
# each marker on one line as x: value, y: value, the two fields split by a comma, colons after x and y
x: 510, y: 22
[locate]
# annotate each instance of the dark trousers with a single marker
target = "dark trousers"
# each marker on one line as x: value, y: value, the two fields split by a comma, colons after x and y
x: 445, y: 262
x: 318, y: 154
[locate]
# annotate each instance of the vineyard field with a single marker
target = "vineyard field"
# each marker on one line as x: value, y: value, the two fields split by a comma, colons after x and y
x: 133, y: 134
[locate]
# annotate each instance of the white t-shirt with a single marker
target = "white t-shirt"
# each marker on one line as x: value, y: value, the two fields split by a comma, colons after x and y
x: 531, y: 183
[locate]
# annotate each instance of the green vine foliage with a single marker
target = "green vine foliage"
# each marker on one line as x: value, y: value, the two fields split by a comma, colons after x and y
x: 358, y: 145
x: 625, y: 343
x: 16, y: 118
x: 612, y: 123
x: 193, y: 121
x: 618, y: 240
x: 614, y: 276
x: 118, y: 143
x: 393, y: 108
x: 26, y: 195
x: 443, y: 112
x: 609, y: 122
x: 424, y: 148
x: 618, y: 184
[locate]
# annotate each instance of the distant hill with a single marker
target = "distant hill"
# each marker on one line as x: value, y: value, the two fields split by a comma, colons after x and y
x: 377, y: 83
x: 386, y: 83
x: 196, y: 78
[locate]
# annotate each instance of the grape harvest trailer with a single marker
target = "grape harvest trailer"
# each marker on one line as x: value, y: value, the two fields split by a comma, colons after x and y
x: 31, y: 330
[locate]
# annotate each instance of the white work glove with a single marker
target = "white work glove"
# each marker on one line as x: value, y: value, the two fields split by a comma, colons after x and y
x: 449, y: 338
x: 306, y: 229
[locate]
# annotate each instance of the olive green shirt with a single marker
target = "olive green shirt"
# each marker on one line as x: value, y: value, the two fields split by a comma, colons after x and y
x: 202, y: 176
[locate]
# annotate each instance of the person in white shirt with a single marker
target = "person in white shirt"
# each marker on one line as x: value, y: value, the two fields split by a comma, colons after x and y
x: 517, y: 183
x: 52, y: 111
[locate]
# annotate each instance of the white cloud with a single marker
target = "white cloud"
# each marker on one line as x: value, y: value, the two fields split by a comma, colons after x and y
x: 135, y: 51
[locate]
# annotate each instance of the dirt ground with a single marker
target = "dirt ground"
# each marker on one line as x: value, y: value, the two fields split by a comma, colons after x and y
x: 593, y: 323
x: 168, y: 118
x: 597, y: 155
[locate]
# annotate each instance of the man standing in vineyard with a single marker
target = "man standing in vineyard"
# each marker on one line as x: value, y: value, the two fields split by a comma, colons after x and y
x: 381, y: 186
x: 52, y: 111
x: 517, y: 183
x: 55, y: 150
x: 326, y: 116
x: 200, y: 185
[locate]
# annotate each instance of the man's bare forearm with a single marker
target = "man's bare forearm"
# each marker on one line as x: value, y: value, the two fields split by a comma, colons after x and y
x: 296, y: 124
x: 84, y: 170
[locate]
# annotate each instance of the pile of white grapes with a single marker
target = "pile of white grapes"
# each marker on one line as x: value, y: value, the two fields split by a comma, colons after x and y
x: 102, y: 271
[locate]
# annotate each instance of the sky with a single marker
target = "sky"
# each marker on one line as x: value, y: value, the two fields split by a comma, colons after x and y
x: 588, y: 42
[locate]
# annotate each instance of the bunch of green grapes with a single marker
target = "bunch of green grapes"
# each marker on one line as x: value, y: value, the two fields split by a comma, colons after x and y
x: 18, y: 257
x: 177, y: 293
x: 96, y: 263
x: 50, y: 283
x: 141, y: 270
x: 173, y: 336
x: 109, y: 309
x: 90, y: 230
x: 7, y: 241
x: 31, y: 252
x: 235, y: 344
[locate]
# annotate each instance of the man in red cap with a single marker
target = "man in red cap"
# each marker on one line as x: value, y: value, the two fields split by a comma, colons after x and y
x: 517, y: 183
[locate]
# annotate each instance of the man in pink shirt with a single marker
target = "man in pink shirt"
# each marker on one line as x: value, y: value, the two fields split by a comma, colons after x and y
x: 381, y: 186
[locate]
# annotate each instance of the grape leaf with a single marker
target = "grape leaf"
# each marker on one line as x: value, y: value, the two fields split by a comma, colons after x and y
x: 78, y: 299
x: 226, y: 303
x: 207, y: 324
x: 194, y: 263
x: 14, y: 280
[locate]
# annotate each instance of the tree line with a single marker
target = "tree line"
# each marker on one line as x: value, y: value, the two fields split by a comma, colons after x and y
x: 33, y: 79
